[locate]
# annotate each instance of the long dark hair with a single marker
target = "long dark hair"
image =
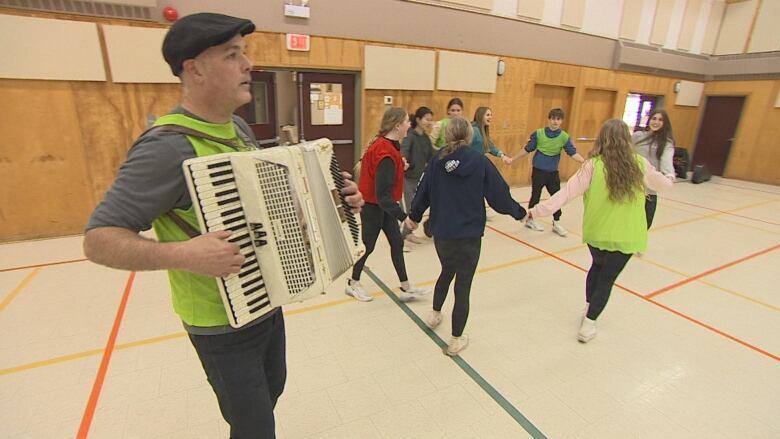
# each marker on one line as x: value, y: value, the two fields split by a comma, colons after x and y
x: 419, y: 114
x: 662, y: 136
x: 479, y: 118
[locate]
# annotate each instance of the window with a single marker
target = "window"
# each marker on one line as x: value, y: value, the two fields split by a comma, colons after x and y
x: 638, y: 109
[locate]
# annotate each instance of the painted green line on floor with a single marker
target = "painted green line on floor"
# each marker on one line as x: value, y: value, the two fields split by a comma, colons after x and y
x: 481, y: 382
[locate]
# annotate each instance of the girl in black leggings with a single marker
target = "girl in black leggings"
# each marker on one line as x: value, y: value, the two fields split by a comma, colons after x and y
x: 382, y: 183
x: 455, y: 185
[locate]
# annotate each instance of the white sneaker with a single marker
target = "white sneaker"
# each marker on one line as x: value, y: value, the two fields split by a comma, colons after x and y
x: 411, y: 294
x: 414, y: 239
x: 356, y: 290
x: 559, y: 229
x: 587, y: 330
x: 531, y: 224
x: 433, y: 319
x: 457, y: 344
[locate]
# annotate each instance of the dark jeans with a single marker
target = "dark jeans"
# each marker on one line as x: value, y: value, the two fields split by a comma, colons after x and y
x: 247, y: 370
x: 458, y: 259
x: 651, y: 201
x: 374, y: 220
x: 541, y: 179
x: 603, y: 272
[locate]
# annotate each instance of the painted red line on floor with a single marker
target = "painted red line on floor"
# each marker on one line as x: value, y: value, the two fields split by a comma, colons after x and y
x: 557, y: 257
x: 725, y: 212
x: 709, y: 272
x: 658, y: 304
x: 746, y: 188
x: 42, y: 265
x: 89, y: 411
x: 715, y: 330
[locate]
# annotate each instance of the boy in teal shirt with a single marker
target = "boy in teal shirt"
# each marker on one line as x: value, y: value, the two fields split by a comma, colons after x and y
x: 548, y: 143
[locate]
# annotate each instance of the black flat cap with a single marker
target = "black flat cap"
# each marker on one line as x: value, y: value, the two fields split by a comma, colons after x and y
x: 193, y: 34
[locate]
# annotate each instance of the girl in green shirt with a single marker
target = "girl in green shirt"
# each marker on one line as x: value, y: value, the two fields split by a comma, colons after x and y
x: 613, y: 183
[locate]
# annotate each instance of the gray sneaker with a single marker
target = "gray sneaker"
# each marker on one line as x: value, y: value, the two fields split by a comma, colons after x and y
x: 559, y: 229
x: 456, y: 345
x: 411, y: 294
x: 531, y: 224
x: 356, y: 290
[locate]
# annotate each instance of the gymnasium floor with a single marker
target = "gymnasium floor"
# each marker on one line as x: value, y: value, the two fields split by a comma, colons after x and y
x: 688, y: 347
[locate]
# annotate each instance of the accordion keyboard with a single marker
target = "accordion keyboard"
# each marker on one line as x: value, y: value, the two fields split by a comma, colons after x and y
x: 286, y: 213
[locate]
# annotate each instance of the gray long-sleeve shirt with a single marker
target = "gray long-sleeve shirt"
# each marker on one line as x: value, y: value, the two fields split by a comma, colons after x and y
x: 644, y: 145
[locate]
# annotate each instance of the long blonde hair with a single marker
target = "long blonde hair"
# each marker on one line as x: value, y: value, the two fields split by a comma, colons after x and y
x: 457, y: 135
x: 392, y: 117
x: 613, y: 146
x: 479, y: 118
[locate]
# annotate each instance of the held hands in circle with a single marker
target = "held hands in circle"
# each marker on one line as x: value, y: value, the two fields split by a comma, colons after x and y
x: 409, y: 224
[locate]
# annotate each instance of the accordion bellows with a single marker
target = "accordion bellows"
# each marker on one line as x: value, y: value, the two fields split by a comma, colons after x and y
x: 285, y: 210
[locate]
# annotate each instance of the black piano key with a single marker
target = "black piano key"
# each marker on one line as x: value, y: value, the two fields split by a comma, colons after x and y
x: 254, y: 269
x: 227, y: 201
x: 255, y: 300
x: 255, y: 289
x: 221, y: 173
x: 250, y: 282
x: 218, y: 164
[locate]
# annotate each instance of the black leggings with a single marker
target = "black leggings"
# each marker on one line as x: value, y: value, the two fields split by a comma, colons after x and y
x: 458, y: 259
x: 541, y: 179
x: 651, y: 201
x: 374, y: 220
x: 603, y: 272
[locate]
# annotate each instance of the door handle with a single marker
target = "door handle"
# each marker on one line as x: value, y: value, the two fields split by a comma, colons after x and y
x: 342, y: 142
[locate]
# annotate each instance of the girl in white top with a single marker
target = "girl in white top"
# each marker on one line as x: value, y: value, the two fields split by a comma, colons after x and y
x: 657, y: 146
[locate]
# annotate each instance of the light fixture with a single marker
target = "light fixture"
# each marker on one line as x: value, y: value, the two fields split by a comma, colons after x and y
x: 501, y: 67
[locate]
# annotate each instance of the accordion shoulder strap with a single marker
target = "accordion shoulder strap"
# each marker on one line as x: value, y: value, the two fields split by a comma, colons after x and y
x: 246, y: 138
x: 191, y: 132
x: 184, y: 225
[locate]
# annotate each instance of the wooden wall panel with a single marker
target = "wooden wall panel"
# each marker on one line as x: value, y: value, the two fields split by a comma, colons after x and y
x: 45, y: 190
x: 267, y: 49
x: 86, y: 127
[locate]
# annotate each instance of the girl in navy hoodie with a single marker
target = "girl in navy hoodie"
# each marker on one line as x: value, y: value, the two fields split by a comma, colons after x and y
x: 456, y: 183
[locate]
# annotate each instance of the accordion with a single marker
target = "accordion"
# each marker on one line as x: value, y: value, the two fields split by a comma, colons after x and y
x: 286, y: 212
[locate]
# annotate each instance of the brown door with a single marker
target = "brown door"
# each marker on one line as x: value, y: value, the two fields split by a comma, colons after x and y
x: 260, y: 112
x: 721, y: 116
x: 328, y: 110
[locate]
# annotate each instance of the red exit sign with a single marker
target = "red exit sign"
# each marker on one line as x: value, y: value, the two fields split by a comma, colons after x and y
x: 298, y: 42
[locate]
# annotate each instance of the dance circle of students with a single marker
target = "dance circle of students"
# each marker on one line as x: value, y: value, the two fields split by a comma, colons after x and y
x: 458, y: 180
